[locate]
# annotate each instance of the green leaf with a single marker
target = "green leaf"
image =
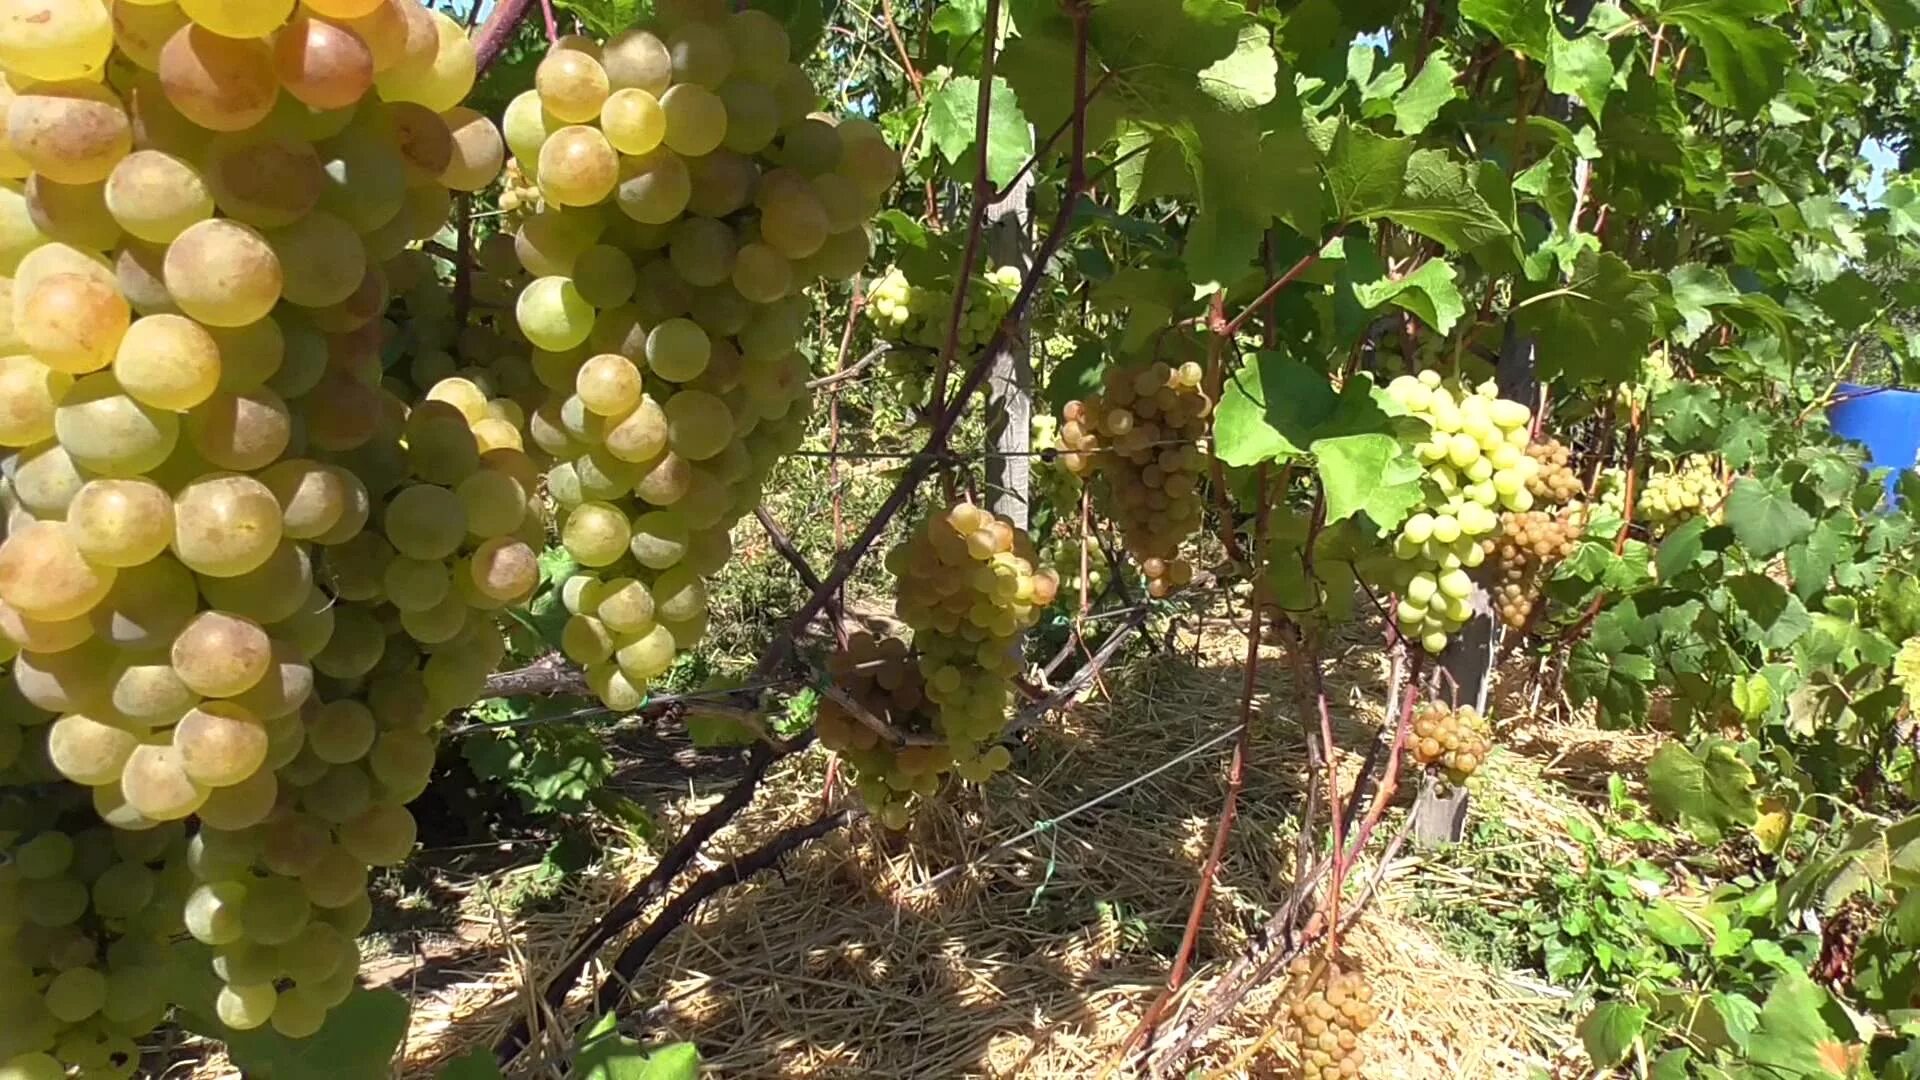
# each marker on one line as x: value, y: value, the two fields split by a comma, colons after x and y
x: 475, y: 1064
x: 1613, y: 679
x: 1764, y: 517
x: 1610, y: 1030
x: 1697, y: 290
x: 1429, y: 292
x: 1749, y: 61
x: 953, y: 113
x: 1905, y: 921
x: 1247, y: 78
x: 1440, y: 199
x: 1681, y: 549
x: 1274, y: 407
x: 958, y: 20
x: 1372, y: 474
x: 1580, y: 68
x: 1525, y: 25
x: 1077, y: 376
x: 1597, y: 326
x: 1706, y: 789
x: 1899, y: 14
x: 1850, y: 300
x: 1792, y: 1037
x: 1419, y: 103
x: 605, y: 1054
x: 1779, y: 615
x: 1364, y: 172
x: 358, y: 1039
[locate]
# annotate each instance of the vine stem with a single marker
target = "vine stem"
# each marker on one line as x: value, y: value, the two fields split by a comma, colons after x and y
x: 977, y: 213
x: 921, y: 465
x: 490, y: 41
x: 1236, y: 776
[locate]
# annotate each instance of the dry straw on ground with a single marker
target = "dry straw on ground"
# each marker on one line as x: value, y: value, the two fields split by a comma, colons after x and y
x: 1037, y: 960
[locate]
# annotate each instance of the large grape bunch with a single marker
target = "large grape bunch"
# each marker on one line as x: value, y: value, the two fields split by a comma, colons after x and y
x: 1141, y: 436
x: 690, y: 195
x: 1476, y: 464
x: 968, y: 588
x: 202, y: 203
x: 918, y: 315
x: 1680, y: 492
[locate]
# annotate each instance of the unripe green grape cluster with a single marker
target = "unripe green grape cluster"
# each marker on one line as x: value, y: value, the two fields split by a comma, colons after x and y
x: 968, y: 587
x: 690, y: 195
x: 1906, y: 671
x: 1475, y: 453
x: 1063, y: 558
x: 1679, y: 493
x: 1141, y: 437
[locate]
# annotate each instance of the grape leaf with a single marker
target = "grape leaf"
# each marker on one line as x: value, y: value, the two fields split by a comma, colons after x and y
x: 1697, y: 290
x: 1429, y: 292
x: 1595, y: 327
x: 1765, y: 518
x: 953, y: 113
x: 1372, y: 474
x: 1525, y: 25
x: 1791, y: 1036
x: 1610, y: 1030
x: 1274, y: 407
x: 605, y: 1054
x: 1705, y: 789
x: 1581, y: 68
x: 1432, y: 89
x: 475, y: 1064
x: 1246, y: 78
x: 1748, y: 60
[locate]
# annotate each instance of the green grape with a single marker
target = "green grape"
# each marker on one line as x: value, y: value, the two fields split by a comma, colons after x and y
x: 678, y: 350
x: 245, y: 1006
x: 633, y: 121
x: 596, y: 533
x: 553, y: 314
x: 578, y: 166
x: 213, y: 912
x: 605, y: 276
x: 425, y: 521
x: 572, y: 85
x: 654, y: 187
x: 272, y: 911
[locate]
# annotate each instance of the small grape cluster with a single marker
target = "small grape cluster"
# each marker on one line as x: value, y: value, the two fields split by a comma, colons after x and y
x: 1141, y: 436
x: 1906, y: 672
x: 918, y: 315
x: 1676, y: 495
x: 1326, y: 1016
x: 968, y: 587
x: 1555, y: 483
x: 1476, y: 460
x: 1054, y: 485
x: 1456, y: 741
x: 519, y: 195
x: 1525, y: 552
x: 1063, y: 558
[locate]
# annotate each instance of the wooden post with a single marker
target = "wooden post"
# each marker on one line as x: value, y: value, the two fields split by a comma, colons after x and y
x: 1009, y: 437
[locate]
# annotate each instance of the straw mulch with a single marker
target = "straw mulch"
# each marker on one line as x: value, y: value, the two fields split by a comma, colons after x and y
x: 1035, y: 961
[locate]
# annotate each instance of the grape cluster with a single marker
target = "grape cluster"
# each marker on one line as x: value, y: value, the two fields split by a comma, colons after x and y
x: 1063, y: 558
x: 968, y: 588
x: 1053, y: 484
x: 1554, y: 483
x: 689, y: 195
x: 487, y: 348
x: 1476, y: 461
x: 1906, y: 672
x: 239, y: 573
x: 1141, y: 436
x: 1453, y: 740
x: 1524, y: 554
x: 1326, y: 1016
x: 918, y: 315
x: 1675, y: 495
x: 519, y: 195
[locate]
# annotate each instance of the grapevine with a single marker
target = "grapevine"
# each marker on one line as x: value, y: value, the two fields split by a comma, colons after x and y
x: 968, y: 589
x: 689, y: 193
x: 1141, y: 435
